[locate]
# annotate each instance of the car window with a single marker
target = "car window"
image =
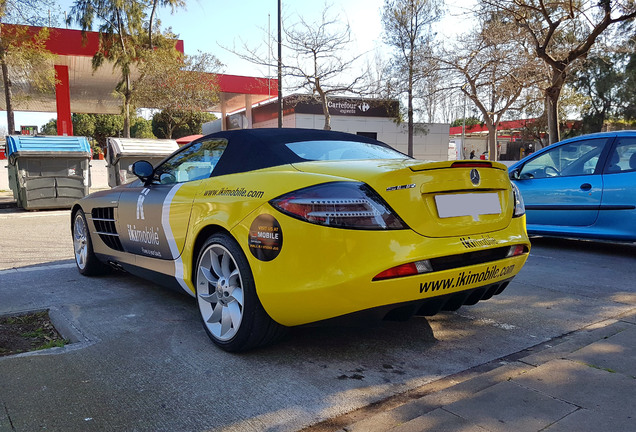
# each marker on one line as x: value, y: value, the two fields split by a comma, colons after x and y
x: 572, y: 159
x: 623, y: 157
x: 342, y: 150
x: 196, y: 162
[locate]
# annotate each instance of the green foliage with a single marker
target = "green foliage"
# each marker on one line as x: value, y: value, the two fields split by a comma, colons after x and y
x: 600, y: 81
x: 141, y: 128
x: 627, y: 93
x: 52, y: 344
x: 83, y: 124
x: 24, y: 59
x: 49, y: 128
x: 176, y: 124
x: 470, y: 121
x: 98, y: 126
x: 171, y: 81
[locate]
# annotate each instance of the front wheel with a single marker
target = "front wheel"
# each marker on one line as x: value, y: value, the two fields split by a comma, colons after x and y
x: 232, y: 314
x: 87, y: 262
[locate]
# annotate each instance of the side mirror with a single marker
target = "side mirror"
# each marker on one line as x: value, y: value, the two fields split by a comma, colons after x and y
x: 142, y: 169
x: 514, y: 175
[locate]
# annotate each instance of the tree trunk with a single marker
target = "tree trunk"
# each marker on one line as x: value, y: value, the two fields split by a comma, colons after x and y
x: 492, y: 139
x: 7, y: 92
x: 152, y: 18
x: 410, y: 112
x: 325, y: 111
x: 127, y: 97
x: 126, y: 118
x: 552, y: 115
x: 552, y: 95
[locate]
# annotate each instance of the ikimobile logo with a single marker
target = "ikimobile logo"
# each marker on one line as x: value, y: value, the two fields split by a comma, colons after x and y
x: 469, y: 243
x: 147, y: 235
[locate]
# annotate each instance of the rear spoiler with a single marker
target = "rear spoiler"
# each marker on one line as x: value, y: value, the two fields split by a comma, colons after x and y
x: 458, y: 164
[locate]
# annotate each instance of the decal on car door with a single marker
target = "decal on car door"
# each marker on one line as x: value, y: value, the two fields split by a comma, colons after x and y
x: 265, y: 238
x: 144, y: 217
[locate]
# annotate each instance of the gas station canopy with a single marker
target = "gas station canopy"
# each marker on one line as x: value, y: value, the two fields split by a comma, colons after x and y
x: 79, y: 89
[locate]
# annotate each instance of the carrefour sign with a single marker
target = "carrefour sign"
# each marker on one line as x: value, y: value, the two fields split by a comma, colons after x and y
x: 348, y: 107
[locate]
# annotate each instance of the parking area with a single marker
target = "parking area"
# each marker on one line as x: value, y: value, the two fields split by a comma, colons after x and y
x: 142, y: 361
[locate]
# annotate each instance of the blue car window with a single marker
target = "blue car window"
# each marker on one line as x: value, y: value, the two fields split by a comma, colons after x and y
x: 195, y: 162
x: 571, y: 159
x: 623, y: 157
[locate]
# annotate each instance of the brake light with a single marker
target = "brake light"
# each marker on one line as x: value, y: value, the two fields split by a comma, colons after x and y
x: 471, y: 164
x: 340, y: 204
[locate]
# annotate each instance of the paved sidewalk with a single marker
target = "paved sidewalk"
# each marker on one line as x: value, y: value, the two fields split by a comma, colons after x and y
x: 584, y: 381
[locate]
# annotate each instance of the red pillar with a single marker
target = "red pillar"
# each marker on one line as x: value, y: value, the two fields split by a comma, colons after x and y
x: 63, y: 101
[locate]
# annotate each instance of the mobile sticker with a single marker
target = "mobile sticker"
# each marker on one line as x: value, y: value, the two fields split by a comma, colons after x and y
x: 265, y: 238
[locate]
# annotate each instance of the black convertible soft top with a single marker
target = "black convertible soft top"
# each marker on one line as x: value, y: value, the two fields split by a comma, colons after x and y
x: 252, y: 149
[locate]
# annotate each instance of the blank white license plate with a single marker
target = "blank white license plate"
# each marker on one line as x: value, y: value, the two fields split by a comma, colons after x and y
x: 469, y: 204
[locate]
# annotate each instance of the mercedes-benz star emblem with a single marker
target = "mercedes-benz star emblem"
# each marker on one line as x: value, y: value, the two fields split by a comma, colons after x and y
x: 474, y: 176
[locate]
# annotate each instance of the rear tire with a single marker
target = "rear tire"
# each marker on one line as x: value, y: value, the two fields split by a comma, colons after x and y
x: 87, y: 262
x: 230, y: 310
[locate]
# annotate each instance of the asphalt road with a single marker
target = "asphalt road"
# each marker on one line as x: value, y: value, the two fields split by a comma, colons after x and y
x: 143, y: 361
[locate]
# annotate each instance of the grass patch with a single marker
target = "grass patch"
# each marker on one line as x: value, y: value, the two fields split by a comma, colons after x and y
x: 28, y: 332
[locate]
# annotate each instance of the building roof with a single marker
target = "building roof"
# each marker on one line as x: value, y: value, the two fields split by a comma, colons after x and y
x: 93, y: 91
x: 481, y: 128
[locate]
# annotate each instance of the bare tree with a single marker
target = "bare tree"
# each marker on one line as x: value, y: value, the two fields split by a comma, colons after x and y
x: 407, y: 29
x: 376, y: 80
x: 492, y: 69
x: 562, y: 33
x: 317, y: 59
x: 320, y: 61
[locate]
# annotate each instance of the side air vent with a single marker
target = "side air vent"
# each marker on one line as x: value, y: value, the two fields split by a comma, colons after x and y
x: 104, y: 220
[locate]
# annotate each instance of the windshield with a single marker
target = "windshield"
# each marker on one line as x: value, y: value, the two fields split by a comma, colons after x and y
x: 342, y: 150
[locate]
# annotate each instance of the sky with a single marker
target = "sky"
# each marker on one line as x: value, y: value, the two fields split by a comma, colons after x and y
x: 217, y: 27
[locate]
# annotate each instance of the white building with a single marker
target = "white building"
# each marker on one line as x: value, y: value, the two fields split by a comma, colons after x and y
x: 367, y: 117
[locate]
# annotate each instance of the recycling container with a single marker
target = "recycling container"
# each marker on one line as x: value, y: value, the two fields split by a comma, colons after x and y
x: 121, y: 153
x: 48, y: 171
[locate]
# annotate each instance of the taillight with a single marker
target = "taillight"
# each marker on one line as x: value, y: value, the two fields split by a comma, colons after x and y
x: 340, y: 204
x: 516, y: 250
x: 520, y: 208
x: 408, y: 269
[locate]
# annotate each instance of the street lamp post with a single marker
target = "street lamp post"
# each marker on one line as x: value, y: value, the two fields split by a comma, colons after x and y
x: 280, y: 68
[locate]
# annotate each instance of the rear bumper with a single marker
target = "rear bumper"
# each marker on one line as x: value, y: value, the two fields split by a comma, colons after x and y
x: 323, y: 273
x: 426, y: 307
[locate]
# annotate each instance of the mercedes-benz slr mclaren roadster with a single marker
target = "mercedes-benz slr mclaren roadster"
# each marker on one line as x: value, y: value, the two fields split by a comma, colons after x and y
x: 271, y: 228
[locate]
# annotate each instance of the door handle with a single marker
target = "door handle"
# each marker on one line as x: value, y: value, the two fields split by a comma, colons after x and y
x: 586, y: 186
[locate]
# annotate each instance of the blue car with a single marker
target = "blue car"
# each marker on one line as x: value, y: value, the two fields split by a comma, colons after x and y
x: 584, y: 187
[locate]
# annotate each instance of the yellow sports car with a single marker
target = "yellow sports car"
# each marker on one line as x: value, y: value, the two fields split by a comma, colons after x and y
x: 271, y: 228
